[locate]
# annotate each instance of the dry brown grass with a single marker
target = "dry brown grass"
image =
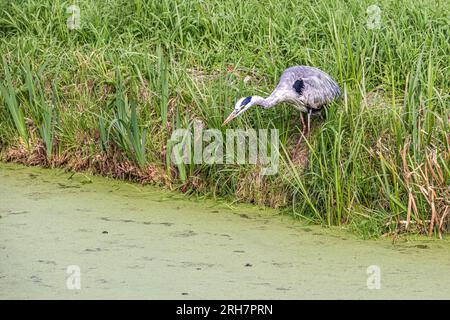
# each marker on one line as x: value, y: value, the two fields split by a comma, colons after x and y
x: 429, y: 179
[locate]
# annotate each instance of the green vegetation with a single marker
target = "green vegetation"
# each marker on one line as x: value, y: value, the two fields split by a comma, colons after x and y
x: 106, y: 98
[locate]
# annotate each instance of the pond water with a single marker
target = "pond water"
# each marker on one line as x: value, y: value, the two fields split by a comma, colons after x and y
x: 69, y: 236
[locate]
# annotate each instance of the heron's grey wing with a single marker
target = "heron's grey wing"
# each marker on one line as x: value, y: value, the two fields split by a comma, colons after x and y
x: 318, y: 91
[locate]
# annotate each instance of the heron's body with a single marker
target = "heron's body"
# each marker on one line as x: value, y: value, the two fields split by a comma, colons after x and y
x: 308, y: 89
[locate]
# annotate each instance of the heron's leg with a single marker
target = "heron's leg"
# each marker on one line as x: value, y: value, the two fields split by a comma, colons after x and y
x: 309, y: 120
x: 303, y: 124
x: 300, y: 139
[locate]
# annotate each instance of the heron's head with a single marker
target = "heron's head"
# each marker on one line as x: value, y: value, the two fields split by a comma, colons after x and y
x: 240, y: 107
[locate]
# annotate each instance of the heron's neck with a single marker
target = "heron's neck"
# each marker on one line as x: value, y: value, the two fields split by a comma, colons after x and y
x: 268, y: 102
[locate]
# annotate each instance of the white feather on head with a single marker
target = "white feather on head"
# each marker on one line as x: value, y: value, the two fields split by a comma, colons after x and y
x: 242, y: 102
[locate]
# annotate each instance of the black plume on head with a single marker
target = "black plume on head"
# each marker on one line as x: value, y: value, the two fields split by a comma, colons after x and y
x: 298, y: 86
x: 246, y: 101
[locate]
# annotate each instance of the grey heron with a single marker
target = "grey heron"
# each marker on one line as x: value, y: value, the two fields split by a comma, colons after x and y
x: 308, y: 89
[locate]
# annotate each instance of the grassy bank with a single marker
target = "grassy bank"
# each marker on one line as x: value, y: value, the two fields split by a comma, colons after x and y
x: 106, y: 98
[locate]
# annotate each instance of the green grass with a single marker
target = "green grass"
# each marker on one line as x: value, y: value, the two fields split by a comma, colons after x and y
x: 123, y: 128
x: 16, y: 112
x: 41, y: 110
x: 137, y: 70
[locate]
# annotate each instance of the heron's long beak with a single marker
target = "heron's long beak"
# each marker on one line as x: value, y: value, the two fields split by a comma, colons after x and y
x: 230, y: 117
